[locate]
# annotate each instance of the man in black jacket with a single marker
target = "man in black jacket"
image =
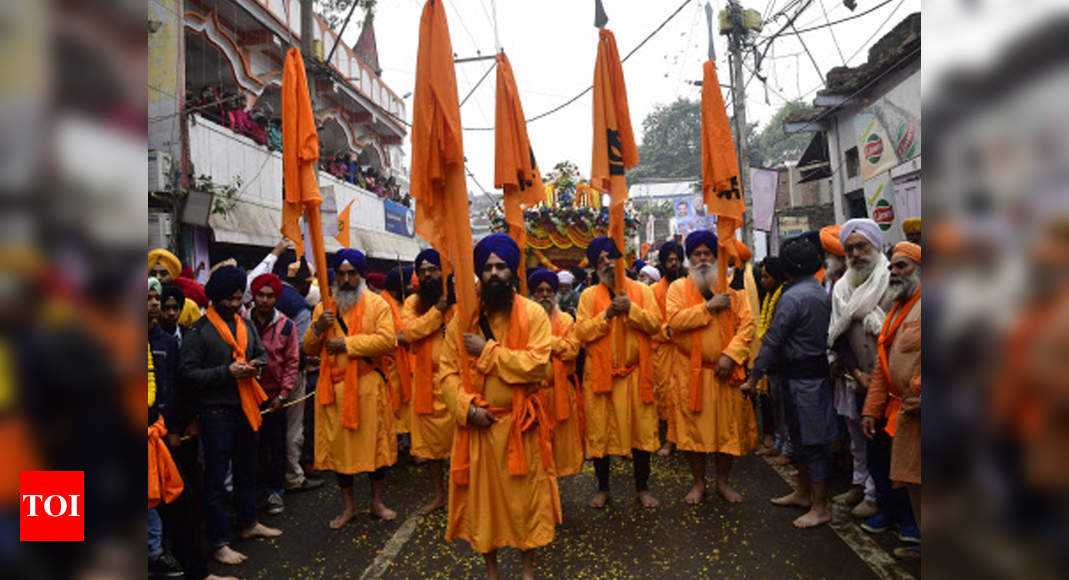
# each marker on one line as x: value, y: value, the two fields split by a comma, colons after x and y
x: 210, y: 368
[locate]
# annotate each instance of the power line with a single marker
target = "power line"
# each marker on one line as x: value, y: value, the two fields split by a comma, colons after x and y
x: 878, y: 29
x: 832, y: 31
x: 832, y: 23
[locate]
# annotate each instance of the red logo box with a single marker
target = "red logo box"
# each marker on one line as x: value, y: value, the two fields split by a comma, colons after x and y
x: 51, y: 506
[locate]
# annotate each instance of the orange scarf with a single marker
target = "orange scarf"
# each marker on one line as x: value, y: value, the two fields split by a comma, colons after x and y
x: 401, y: 357
x: 561, y: 407
x: 727, y: 331
x: 330, y: 373
x: 424, y: 367
x: 601, y: 356
x: 164, y: 481
x: 252, y: 396
x: 660, y: 293
x: 526, y: 411
x: 887, y: 334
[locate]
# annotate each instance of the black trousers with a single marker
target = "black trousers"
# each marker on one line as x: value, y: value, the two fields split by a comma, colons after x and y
x: 182, y: 517
x: 642, y: 470
x: 345, y: 480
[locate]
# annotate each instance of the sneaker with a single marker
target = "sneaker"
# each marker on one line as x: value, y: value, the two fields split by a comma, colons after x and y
x: 909, y: 553
x: 308, y: 484
x: 865, y: 510
x: 876, y: 524
x: 850, y: 497
x: 165, y: 566
x: 274, y: 504
x: 909, y: 533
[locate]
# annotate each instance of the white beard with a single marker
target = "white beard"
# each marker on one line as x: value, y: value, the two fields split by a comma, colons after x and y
x: 704, y: 277
x: 902, y: 288
x: 857, y: 275
x: 346, y: 299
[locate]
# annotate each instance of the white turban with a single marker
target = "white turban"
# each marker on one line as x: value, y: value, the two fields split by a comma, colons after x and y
x: 565, y: 277
x: 651, y: 272
x: 865, y: 227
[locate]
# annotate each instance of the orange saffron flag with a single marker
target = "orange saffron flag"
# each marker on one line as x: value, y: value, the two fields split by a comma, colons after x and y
x: 515, y: 169
x: 614, y: 140
x: 720, y: 170
x: 437, y: 179
x: 343, y: 226
x: 300, y: 149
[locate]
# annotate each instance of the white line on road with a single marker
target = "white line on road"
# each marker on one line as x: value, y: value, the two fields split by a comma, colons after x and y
x: 391, y: 549
x: 882, y: 564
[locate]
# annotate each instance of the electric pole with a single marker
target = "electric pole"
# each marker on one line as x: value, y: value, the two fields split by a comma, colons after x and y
x: 307, y: 36
x: 737, y: 44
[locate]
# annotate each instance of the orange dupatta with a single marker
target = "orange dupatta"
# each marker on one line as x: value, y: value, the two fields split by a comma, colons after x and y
x: 601, y: 356
x: 164, y: 481
x: 401, y: 356
x: 887, y: 333
x: 330, y: 373
x: 525, y: 411
x: 561, y: 407
x: 252, y: 396
x: 694, y: 298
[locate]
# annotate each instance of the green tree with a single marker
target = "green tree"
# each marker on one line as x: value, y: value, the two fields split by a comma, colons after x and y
x: 773, y: 146
x: 335, y: 11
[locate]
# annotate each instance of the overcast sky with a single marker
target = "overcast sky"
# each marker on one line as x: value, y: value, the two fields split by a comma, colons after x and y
x: 552, y: 47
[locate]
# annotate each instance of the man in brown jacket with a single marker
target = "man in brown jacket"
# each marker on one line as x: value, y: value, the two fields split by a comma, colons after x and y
x: 895, y: 389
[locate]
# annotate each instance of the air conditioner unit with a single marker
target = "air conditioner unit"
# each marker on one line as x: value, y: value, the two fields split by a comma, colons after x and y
x: 159, y: 167
x: 159, y: 229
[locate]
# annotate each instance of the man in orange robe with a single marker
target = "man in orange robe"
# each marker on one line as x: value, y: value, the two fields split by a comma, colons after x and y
x: 895, y: 389
x: 502, y: 491
x: 400, y: 364
x: 354, y: 424
x: 712, y: 416
x: 670, y: 264
x: 424, y: 317
x: 562, y: 398
x: 618, y: 400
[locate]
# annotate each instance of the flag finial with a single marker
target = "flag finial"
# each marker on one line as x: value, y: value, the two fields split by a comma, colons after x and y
x: 600, y: 18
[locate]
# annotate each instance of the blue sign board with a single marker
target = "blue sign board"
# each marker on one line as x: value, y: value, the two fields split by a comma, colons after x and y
x: 399, y: 219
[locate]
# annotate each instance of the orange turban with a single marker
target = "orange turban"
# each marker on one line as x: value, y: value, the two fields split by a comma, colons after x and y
x: 742, y: 251
x: 909, y: 250
x: 829, y: 238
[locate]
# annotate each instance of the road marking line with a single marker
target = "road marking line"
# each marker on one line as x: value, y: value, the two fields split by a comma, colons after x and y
x: 392, y: 548
x: 882, y: 564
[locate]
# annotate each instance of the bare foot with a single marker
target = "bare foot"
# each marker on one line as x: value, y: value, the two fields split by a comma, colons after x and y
x: 728, y: 493
x: 527, y: 574
x: 768, y: 452
x: 259, y: 530
x: 599, y: 500
x: 813, y: 518
x: 419, y: 460
x: 781, y: 460
x: 793, y: 473
x: 214, y: 577
x: 228, y: 555
x: 648, y: 500
x: 694, y: 496
x: 792, y: 499
x: 342, y: 518
x: 435, y: 504
x: 665, y: 449
x: 381, y: 511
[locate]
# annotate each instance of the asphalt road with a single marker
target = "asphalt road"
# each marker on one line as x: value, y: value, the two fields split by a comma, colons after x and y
x: 714, y: 539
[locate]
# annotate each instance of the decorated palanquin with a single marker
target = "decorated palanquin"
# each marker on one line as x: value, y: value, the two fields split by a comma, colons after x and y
x: 560, y: 229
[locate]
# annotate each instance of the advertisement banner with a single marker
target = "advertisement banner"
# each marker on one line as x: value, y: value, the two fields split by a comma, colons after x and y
x: 790, y: 226
x: 874, y: 150
x: 763, y: 189
x: 879, y: 200
x: 399, y: 219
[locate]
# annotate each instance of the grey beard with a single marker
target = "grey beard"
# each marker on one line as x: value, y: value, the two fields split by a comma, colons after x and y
x: 550, y: 304
x: 858, y: 274
x: 834, y: 267
x: 346, y: 299
x: 901, y: 288
x: 607, y: 275
x: 704, y: 277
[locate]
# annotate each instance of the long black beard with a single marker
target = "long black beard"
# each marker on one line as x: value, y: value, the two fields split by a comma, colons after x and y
x: 430, y: 292
x: 672, y: 275
x: 497, y: 296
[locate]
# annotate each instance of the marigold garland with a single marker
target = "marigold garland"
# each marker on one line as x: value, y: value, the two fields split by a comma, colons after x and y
x: 151, y: 379
x: 767, y: 309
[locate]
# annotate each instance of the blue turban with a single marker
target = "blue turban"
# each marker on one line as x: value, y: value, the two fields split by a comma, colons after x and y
x: 668, y: 248
x: 500, y: 245
x: 355, y: 258
x: 428, y: 255
x: 701, y: 238
x: 539, y: 275
x: 397, y: 278
x: 599, y: 245
x: 638, y: 265
x: 224, y: 282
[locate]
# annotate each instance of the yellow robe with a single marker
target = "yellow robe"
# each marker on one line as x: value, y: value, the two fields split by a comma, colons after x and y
x: 404, y: 410
x: 432, y: 435
x: 374, y: 443
x: 726, y: 422
x: 619, y: 421
x: 662, y: 358
x: 567, y: 434
x: 497, y: 509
